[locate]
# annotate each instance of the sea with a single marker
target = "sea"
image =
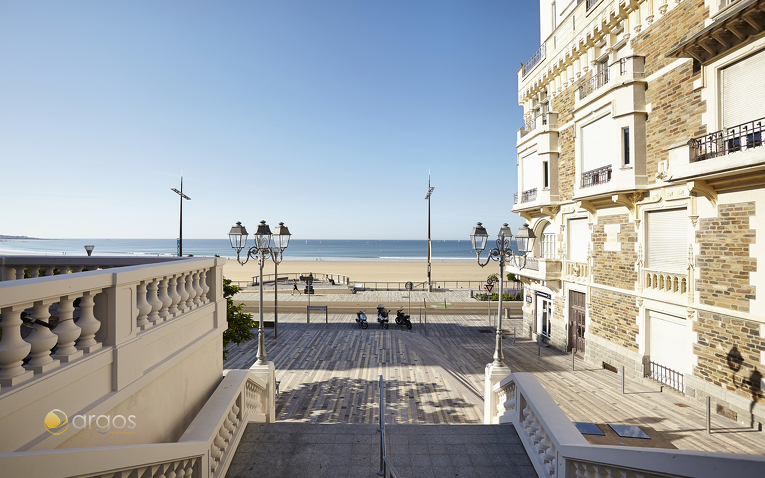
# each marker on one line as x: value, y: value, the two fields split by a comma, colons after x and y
x: 298, y: 250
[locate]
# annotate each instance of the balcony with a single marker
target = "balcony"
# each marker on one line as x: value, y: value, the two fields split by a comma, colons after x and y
x: 538, y: 56
x: 667, y: 282
x: 529, y: 196
x: 597, y: 80
x: 577, y: 270
x: 728, y: 152
x: 597, y: 176
x: 537, y: 268
x: 591, y: 4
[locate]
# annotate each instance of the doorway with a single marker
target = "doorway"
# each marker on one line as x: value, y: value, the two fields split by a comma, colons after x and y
x: 576, y: 313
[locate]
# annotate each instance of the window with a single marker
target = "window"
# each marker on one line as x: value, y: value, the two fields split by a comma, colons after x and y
x: 549, y: 243
x: 599, y: 144
x: 546, y: 174
x: 578, y: 239
x: 667, y: 244
x: 531, y: 172
x: 626, y: 145
x: 740, y: 83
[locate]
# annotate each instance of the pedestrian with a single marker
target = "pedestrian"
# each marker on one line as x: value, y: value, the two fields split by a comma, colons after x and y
x: 295, y: 287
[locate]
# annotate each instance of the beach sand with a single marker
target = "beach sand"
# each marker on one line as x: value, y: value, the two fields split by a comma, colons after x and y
x: 369, y: 271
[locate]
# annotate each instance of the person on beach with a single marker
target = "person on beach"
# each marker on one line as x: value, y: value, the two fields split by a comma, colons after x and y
x: 295, y: 287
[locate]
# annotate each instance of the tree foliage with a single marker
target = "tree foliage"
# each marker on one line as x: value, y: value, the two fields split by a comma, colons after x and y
x: 240, y: 324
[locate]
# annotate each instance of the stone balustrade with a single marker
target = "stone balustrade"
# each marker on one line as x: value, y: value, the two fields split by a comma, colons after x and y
x: 114, y: 326
x: 665, y: 281
x: 204, y: 450
x: 13, y: 267
x: 577, y: 270
x: 556, y: 448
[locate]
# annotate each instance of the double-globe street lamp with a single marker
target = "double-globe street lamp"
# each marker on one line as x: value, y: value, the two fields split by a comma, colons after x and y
x: 524, y: 240
x: 261, y: 251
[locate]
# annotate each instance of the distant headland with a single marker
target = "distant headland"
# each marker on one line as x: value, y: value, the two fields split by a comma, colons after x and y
x: 16, y: 238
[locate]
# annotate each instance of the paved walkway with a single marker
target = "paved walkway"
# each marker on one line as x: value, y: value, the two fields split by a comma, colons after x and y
x: 434, y: 375
x: 289, y: 450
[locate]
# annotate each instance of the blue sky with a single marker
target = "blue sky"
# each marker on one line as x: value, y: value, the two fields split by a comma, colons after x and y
x: 325, y: 115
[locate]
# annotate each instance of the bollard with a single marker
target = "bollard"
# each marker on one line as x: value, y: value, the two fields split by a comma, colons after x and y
x: 539, y: 345
x: 572, y: 359
x: 709, y: 416
x: 622, y: 379
x: 513, y: 335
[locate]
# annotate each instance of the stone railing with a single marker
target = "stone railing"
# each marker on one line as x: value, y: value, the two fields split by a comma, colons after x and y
x: 89, y: 341
x: 577, y: 269
x: 204, y: 450
x: 665, y: 281
x: 557, y: 449
x: 12, y: 267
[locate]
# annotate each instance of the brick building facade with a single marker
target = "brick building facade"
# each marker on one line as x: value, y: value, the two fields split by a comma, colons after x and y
x: 648, y: 225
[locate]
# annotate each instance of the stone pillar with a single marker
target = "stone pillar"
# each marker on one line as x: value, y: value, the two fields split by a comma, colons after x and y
x: 493, y: 375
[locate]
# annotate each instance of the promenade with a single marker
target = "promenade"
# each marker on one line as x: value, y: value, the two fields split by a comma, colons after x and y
x: 434, y: 375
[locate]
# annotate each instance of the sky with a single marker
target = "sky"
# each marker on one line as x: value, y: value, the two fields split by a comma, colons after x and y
x: 325, y: 115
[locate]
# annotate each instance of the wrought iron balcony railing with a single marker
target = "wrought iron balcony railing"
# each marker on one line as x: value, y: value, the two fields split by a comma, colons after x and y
x: 596, y: 176
x: 591, y: 3
x: 623, y: 66
x: 729, y: 140
x: 528, y: 126
x: 593, y: 83
x: 529, y: 195
x: 515, y: 198
x: 535, y: 58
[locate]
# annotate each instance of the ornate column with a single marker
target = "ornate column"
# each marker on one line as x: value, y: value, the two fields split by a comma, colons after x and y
x: 42, y: 340
x: 67, y: 331
x: 88, y: 323
x: 144, y: 308
x: 154, y: 302
x: 165, y: 299
x: 13, y: 348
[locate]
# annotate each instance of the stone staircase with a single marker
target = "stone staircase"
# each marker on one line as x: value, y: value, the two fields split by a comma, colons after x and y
x: 297, y: 450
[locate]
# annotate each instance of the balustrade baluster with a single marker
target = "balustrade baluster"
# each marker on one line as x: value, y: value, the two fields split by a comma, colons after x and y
x: 182, y: 305
x: 34, y: 272
x: 13, y: 349
x: 172, y: 291
x: 165, y: 299
x: 67, y: 331
x: 88, y: 323
x: 49, y: 270
x: 189, y: 288
x: 197, y: 289
x: 205, y: 287
x: 20, y: 272
x: 42, y: 340
x: 144, y: 308
x: 154, y: 302
x: 77, y: 268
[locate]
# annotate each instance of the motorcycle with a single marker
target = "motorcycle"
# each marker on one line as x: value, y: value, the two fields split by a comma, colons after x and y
x: 361, y: 319
x: 382, y: 316
x: 403, y: 319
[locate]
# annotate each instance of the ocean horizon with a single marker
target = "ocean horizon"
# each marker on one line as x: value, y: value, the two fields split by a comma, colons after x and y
x: 298, y: 250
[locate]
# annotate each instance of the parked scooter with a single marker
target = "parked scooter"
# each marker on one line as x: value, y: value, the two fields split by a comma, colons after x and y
x: 382, y: 316
x: 403, y: 319
x: 361, y: 319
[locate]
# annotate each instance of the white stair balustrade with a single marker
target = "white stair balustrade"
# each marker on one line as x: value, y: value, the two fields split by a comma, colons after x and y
x: 197, y: 289
x: 164, y: 313
x: 172, y: 292
x: 88, y: 323
x: 42, y: 340
x: 13, y: 349
x: 67, y: 331
x: 144, y: 308
x: 154, y: 302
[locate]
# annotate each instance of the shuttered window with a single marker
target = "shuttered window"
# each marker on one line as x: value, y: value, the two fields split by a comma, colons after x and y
x: 578, y: 238
x: 668, y: 335
x: 600, y: 144
x: 743, y: 90
x: 531, y: 171
x: 667, y: 242
x: 549, y: 243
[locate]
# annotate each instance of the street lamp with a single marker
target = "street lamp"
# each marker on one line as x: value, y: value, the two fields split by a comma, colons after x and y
x: 180, y: 227
x: 261, y: 251
x: 427, y: 196
x: 524, y: 239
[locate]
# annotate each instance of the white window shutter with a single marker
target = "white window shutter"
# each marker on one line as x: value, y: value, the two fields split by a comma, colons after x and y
x: 668, y: 336
x: 667, y: 244
x: 578, y: 239
x: 600, y: 144
x: 743, y: 90
x: 532, y: 173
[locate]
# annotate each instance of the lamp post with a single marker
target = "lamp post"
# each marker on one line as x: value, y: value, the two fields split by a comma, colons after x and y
x: 524, y: 239
x: 427, y: 196
x: 180, y: 227
x: 261, y: 251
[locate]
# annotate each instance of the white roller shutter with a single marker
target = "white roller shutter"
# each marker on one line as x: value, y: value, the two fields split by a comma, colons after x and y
x: 668, y: 240
x: 668, y: 345
x: 743, y: 90
x: 578, y: 238
x: 600, y: 144
x: 532, y: 173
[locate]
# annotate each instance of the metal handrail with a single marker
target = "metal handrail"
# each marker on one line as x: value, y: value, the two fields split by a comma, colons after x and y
x: 529, y: 195
x: 535, y: 58
x: 338, y: 278
x: 596, y: 81
x: 667, y: 376
x: 386, y: 469
x: 741, y: 137
x: 596, y: 176
x: 418, y: 286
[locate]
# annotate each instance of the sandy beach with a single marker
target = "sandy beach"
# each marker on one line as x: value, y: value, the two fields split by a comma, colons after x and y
x: 379, y: 271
